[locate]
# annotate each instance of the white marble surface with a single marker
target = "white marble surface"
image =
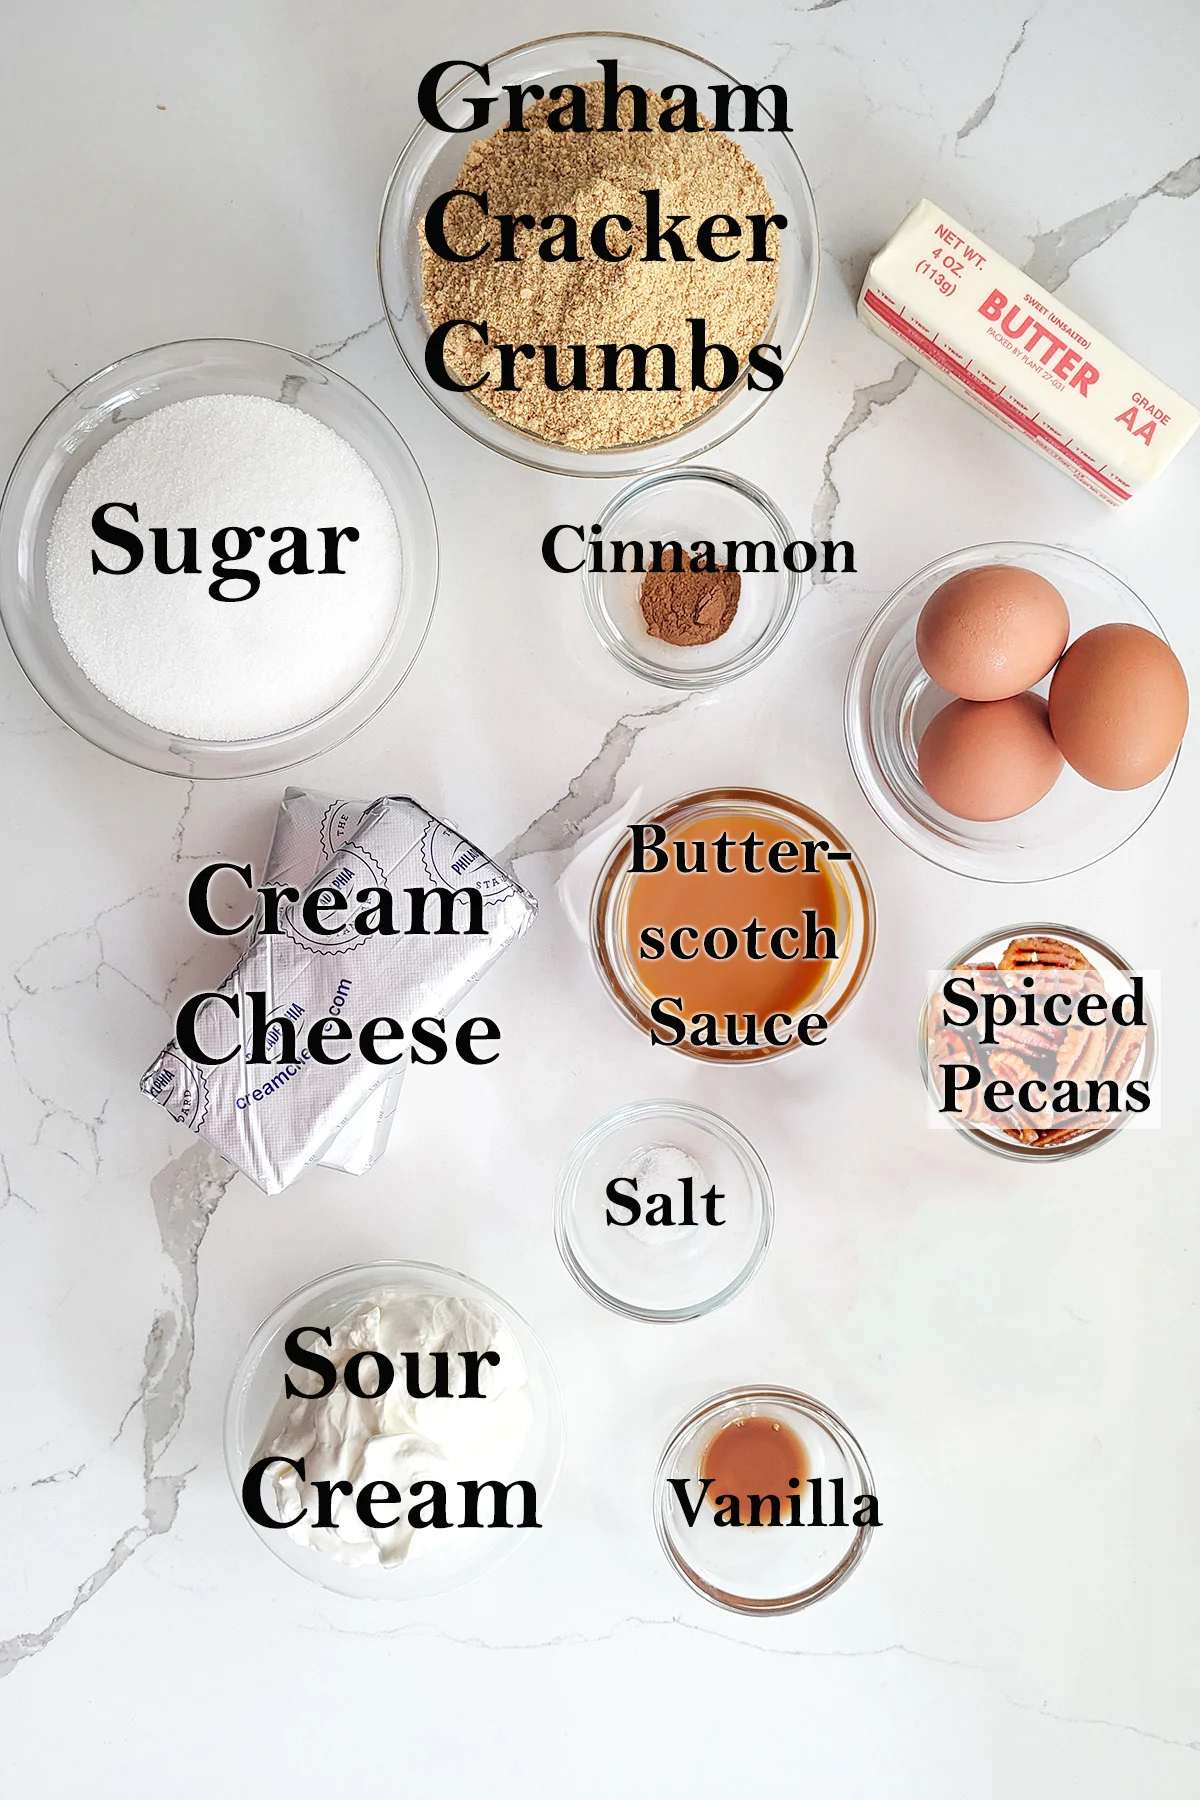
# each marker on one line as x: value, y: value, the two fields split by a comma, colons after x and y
x: 1017, y: 1350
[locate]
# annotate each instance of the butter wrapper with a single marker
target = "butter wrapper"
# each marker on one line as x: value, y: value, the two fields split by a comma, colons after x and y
x: 1018, y: 353
x: 274, y: 1120
x: 309, y: 831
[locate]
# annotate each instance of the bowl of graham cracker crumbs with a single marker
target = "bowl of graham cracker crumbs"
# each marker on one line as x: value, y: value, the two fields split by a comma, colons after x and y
x: 604, y: 258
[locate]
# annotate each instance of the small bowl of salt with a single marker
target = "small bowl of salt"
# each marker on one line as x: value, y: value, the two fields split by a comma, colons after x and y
x: 664, y: 1211
x: 216, y: 558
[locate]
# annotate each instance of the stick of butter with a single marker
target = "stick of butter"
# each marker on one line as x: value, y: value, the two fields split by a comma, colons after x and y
x: 1022, y: 357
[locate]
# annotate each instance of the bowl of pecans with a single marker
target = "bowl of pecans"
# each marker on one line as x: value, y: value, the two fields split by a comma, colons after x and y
x: 1039, y: 1042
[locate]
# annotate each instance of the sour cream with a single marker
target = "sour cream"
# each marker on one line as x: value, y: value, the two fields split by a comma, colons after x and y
x: 473, y: 1431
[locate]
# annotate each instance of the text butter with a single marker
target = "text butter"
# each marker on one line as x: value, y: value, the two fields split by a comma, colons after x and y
x: 1021, y: 356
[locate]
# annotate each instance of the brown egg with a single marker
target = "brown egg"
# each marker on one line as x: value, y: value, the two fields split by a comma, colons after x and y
x: 989, y: 759
x: 1119, y: 705
x: 993, y: 632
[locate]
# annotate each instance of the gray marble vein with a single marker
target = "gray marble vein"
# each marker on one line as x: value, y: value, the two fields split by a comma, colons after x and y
x: 8, y: 1193
x: 975, y: 120
x: 185, y: 1195
x: 326, y: 352
x: 634, y: 1622
x: 56, y: 1478
x: 864, y: 402
x: 189, y: 795
x: 560, y: 825
x: 1056, y: 252
x: 158, y: 1517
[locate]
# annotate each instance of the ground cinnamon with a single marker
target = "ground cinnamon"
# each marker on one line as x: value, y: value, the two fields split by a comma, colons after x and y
x: 689, y: 605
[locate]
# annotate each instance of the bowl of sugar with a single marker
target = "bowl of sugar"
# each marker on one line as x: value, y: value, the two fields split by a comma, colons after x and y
x: 217, y: 558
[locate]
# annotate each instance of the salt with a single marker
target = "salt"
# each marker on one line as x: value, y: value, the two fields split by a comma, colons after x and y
x: 660, y: 1168
x: 161, y: 646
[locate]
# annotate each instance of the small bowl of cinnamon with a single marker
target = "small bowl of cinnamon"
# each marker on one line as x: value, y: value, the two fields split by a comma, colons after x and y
x: 691, y: 577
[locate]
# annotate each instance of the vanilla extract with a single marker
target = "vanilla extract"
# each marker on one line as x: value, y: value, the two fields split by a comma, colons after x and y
x: 756, y: 1471
x: 827, y: 1497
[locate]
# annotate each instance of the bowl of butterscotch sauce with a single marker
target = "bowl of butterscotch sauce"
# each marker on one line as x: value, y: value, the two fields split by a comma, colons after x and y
x: 733, y: 924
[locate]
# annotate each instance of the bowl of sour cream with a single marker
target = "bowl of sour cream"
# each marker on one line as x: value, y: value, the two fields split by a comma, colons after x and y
x: 393, y: 1430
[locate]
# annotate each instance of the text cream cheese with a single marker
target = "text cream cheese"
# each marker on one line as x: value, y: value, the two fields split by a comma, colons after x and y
x: 1022, y: 356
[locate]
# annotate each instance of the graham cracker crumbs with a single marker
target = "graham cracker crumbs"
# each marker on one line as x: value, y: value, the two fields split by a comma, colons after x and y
x: 588, y: 175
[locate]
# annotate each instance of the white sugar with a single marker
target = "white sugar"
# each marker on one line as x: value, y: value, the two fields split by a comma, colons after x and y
x: 160, y: 646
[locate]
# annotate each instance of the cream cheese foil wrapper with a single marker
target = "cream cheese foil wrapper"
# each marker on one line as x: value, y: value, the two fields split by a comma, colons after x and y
x: 274, y: 1120
x: 310, y: 829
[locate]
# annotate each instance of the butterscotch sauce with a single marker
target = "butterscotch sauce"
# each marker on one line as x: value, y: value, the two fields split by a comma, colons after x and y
x: 754, y: 1456
x: 741, y: 982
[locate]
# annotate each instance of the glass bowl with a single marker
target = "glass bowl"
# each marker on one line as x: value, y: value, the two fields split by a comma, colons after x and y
x: 664, y: 1273
x: 257, y: 1386
x: 854, y: 922
x: 95, y: 411
x: 429, y: 165
x: 890, y: 701
x: 766, y: 1568
x: 691, y: 504
x: 1114, y: 971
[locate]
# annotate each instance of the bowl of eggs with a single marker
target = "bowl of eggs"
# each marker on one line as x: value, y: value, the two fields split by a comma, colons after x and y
x: 1014, y: 712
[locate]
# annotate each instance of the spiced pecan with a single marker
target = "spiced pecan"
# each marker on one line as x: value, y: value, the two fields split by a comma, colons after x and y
x: 1123, y: 1051
x: 1081, y: 1054
x: 1024, y: 1134
x: 1007, y: 1066
x: 984, y: 978
x: 946, y: 1045
x: 1033, y: 1040
x: 949, y: 1046
x: 1069, y: 981
x: 1062, y: 1133
x: 1043, y: 952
